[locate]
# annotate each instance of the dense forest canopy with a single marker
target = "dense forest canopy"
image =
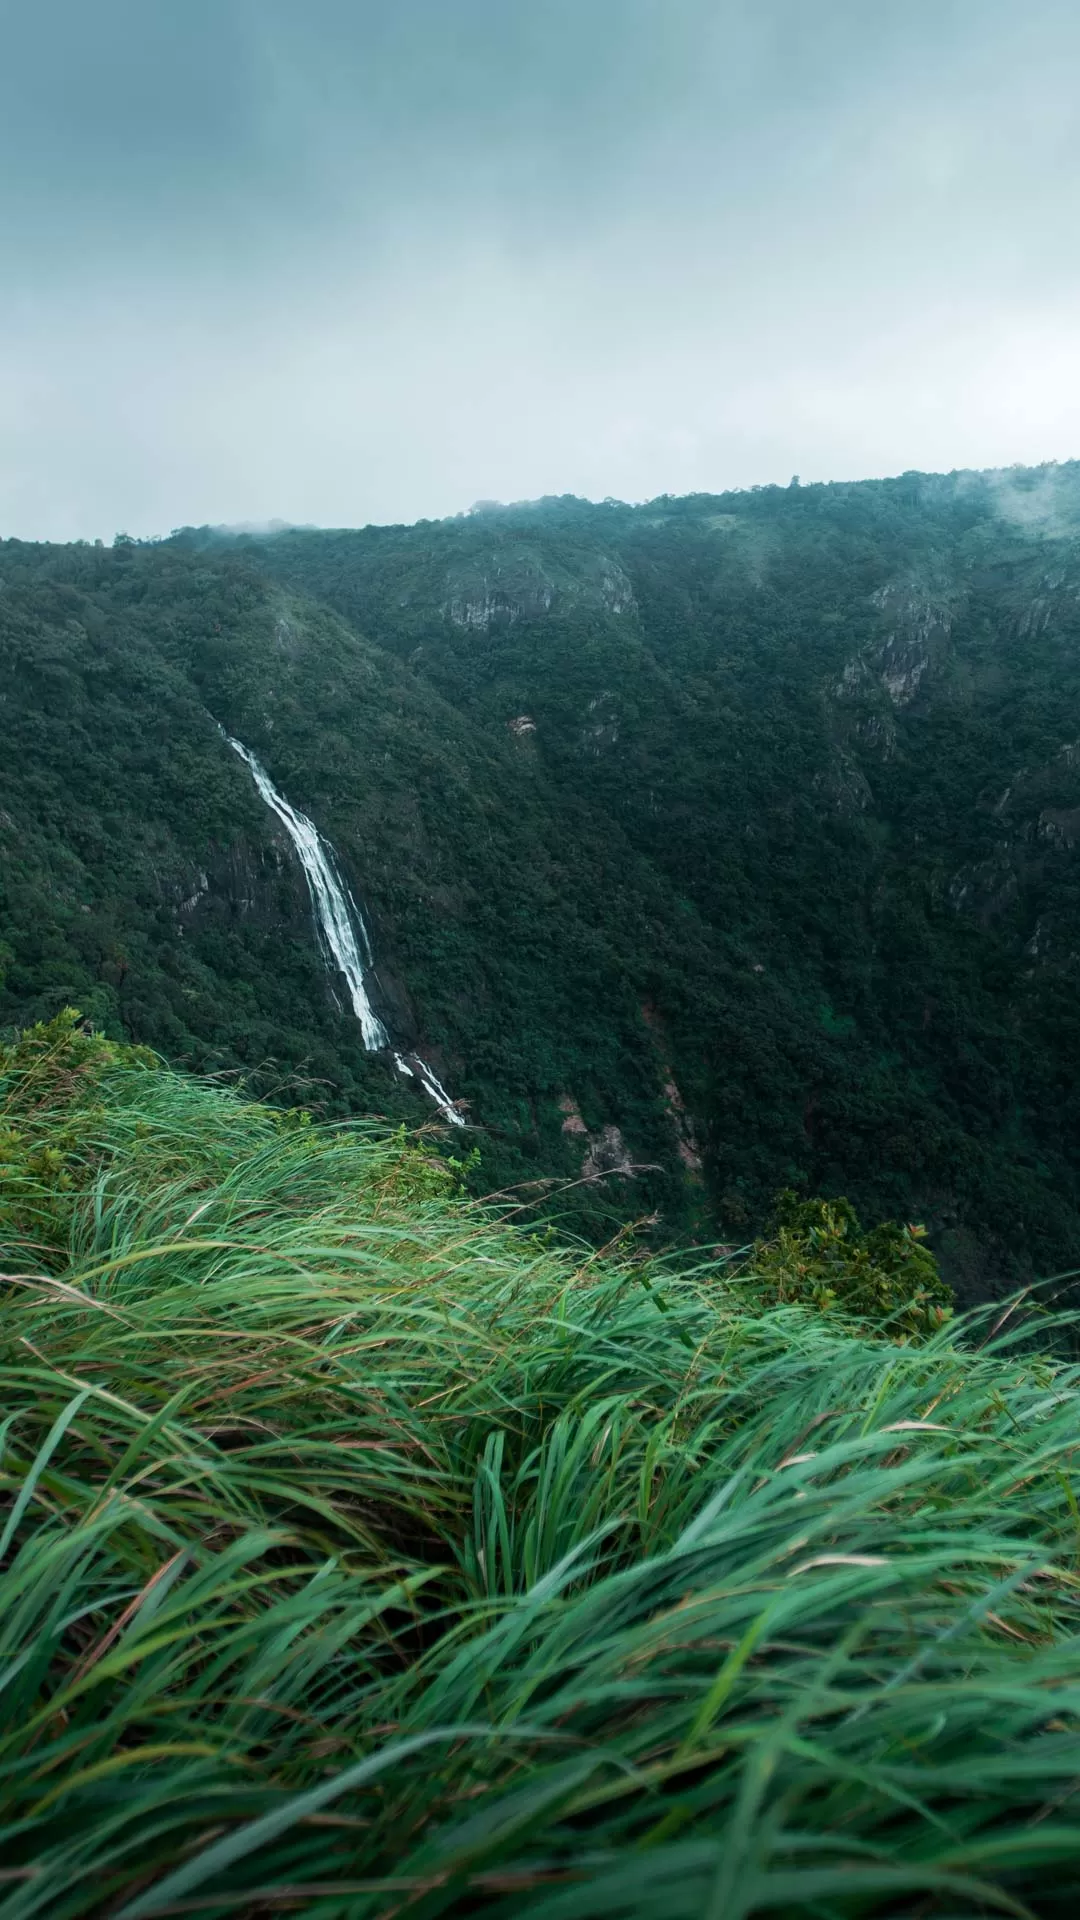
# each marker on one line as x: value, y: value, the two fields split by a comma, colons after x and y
x: 730, y: 839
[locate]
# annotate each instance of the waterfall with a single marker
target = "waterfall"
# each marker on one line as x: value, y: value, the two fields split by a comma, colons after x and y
x: 341, y: 929
x: 337, y: 917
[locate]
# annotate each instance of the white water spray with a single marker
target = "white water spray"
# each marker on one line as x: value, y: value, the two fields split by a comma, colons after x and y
x: 341, y: 928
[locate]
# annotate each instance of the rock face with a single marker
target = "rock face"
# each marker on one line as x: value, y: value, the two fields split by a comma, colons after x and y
x: 686, y: 1141
x: 257, y: 884
x: 919, y: 620
x: 519, y: 585
x: 608, y: 1154
x: 919, y: 631
x: 488, y: 602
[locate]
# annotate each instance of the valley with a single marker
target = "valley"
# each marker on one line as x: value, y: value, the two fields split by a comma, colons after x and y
x: 707, y: 848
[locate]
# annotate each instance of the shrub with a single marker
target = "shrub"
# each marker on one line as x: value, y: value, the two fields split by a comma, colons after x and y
x: 818, y: 1254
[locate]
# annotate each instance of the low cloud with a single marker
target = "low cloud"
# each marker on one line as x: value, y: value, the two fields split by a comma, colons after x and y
x: 372, y: 263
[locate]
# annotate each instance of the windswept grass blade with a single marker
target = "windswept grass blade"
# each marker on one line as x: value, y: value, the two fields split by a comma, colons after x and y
x: 365, y: 1558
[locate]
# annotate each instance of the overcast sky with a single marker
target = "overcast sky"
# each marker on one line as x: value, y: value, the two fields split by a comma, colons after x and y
x: 352, y: 260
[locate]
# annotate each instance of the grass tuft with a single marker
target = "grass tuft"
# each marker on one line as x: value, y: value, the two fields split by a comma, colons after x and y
x: 360, y: 1557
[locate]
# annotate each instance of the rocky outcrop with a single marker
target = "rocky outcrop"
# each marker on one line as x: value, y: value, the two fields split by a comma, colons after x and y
x: 1059, y: 827
x: 601, y: 729
x: 686, y: 1142
x: 488, y: 603
x: 519, y: 585
x: 987, y: 888
x: 245, y: 882
x: 845, y: 786
x: 608, y: 1154
x: 919, y: 625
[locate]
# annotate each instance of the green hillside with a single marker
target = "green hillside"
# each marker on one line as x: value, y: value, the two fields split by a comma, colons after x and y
x: 363, y: 1557
x: 730, y: 839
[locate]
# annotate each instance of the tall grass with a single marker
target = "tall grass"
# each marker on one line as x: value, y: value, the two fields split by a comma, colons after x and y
x: 362, y: 1558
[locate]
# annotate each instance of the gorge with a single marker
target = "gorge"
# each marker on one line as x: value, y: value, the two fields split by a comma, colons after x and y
x: 742, y: 827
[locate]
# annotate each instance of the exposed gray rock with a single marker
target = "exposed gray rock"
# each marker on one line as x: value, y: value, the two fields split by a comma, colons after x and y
x: 607, y: 1154
x: 520, y: 586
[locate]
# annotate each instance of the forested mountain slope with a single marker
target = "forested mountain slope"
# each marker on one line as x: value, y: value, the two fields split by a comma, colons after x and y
x: 732, y: 838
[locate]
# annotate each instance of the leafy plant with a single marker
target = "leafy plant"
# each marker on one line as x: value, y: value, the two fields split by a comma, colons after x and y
x: 817, y: 1254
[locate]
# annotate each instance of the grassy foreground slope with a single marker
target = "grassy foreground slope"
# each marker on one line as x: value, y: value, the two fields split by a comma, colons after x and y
x: 361, y: 1557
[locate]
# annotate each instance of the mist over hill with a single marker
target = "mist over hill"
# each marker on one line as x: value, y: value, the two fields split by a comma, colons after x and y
x: 707, y: 847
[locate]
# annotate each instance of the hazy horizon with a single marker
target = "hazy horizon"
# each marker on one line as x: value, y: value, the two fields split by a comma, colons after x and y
x: 370, y: 267
x: 263, y: 528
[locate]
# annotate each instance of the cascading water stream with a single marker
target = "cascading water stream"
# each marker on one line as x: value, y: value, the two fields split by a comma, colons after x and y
x: 337, y: 916
x: 341, y: 928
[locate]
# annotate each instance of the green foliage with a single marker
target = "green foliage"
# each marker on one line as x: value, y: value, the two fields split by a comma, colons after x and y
x: 817, y: 1254
x: 46, y: 1062
x: 55, y: 1069
x: 793, y: 829
x: 363, y: 1557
